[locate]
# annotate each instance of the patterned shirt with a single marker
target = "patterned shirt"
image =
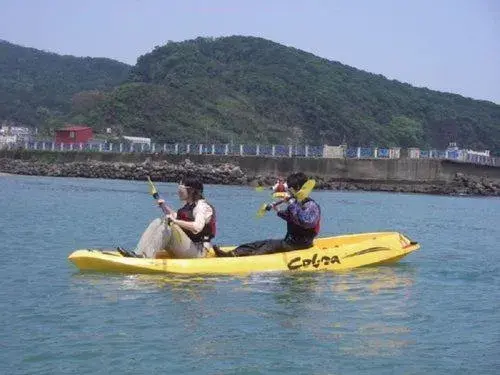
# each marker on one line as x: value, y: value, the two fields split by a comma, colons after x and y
x: 306, y: 215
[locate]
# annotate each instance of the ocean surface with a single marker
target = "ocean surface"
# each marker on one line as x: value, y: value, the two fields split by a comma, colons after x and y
x: 435, y: 312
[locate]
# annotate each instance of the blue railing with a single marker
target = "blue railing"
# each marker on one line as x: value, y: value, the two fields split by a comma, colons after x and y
x: 259, y: 150
x: 383, y: 153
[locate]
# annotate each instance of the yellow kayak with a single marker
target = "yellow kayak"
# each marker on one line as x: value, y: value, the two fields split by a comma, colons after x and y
x: 280, y: 194
x: 328, y: 253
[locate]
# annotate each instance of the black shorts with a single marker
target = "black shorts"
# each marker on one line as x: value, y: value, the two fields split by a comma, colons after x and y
x: 267, y: 247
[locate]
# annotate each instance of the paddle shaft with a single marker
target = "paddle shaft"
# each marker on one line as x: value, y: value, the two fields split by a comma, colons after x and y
x: 162, y: 205
x: 300, y: 196
x: 154, y: 192
x: 270, y: 206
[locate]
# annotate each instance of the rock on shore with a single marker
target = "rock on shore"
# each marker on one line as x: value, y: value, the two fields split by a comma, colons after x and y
x: 159, y: 171
x: 229, y: 174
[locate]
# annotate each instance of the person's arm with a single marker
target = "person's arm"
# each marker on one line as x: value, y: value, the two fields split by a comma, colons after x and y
x: 284, y: 214
x: 202, y: 215
x: 170, y: 211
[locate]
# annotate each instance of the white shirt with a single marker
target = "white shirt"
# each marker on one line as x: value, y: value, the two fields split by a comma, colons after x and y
x: 202, y: 213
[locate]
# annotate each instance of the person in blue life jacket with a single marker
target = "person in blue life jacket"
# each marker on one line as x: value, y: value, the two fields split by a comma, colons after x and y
x: 185, y: 233
x: 302, y: 222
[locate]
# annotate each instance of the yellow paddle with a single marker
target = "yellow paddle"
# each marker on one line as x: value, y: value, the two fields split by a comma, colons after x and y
x: 302, y: 194
x: 166, y: 210
x: 154, y: 192
x: 263, y: 209
x: 152, y: 189
x: 305, y: 190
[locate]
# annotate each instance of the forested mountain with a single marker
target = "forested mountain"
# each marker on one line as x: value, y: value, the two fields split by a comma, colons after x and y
x: 36, y: 85
x: 249, y: 89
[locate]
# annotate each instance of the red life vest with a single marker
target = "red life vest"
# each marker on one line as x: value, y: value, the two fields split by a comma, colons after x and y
x: 209, y: 230
x: 280, y: 188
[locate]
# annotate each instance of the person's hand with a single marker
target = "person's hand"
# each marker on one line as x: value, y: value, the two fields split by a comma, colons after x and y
x: 170, y: 218
x: 160, y: 201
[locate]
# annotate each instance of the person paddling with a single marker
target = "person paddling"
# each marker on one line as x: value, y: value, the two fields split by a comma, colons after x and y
x: 183, y: 234
x: 303, y: 224
x: 280, y: 186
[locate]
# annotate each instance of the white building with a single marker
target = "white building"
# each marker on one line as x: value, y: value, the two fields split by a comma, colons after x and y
x: 6, y: 140
x: 478, y: 153
x: 15, y: 130
x: 138, y: 140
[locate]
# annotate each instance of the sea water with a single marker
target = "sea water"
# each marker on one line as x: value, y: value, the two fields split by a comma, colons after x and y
x: 437, y: 311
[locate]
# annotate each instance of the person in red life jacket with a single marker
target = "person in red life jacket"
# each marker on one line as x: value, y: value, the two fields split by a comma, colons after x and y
x: 183, y: 234
x: 302, y: 221
x: 280, y: 186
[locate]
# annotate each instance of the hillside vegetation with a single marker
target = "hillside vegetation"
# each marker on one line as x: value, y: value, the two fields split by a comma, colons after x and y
x: 247, y: 89
x: 36, y: 86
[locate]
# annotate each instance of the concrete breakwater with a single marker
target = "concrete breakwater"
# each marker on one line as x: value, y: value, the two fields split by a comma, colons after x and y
x: 401, y: 175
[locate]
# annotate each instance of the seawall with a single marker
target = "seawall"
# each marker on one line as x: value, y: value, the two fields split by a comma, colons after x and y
x: 405, y: 174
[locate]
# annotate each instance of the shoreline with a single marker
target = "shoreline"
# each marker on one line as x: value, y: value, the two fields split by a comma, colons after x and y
x: 231, y: 174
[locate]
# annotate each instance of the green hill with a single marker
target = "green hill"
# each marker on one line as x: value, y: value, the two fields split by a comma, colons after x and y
x: 247, y: 89
x: 36, y: 85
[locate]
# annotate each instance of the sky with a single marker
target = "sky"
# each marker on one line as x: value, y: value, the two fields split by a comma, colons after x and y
x: 445, y: 45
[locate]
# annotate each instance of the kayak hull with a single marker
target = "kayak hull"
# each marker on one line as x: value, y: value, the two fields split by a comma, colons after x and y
x: 328, y: 254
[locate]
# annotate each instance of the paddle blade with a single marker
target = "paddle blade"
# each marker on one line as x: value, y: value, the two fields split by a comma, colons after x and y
x: 259, y: 188
x: 152, y: 187
x: 262, y: 210
x: 306, y: 189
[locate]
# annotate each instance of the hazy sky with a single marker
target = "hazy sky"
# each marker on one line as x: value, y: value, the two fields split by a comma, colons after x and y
x: 446, y: 45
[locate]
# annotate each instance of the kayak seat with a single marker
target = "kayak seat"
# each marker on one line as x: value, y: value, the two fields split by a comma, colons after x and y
x: 127, y: 253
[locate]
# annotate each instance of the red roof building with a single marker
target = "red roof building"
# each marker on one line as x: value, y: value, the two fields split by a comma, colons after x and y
x: 74, y: 134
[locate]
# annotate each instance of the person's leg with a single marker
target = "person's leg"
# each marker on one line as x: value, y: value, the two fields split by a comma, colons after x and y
x: 156, y: 235
x: 179, y: 245
x: 255, y: 248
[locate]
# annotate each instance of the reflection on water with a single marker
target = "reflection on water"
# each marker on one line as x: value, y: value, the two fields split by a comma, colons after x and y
x: 362, y: 311
x: 375, y: 280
